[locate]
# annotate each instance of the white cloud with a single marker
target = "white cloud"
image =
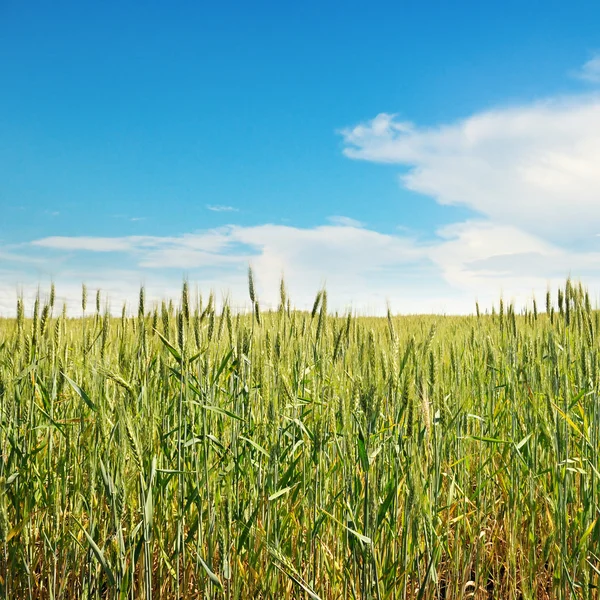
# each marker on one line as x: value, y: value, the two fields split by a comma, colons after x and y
x: 484, y: 259
x: 92, y: 244
x: 211, y: 241
x: 15, y: 257
x: 360, y: 267
x: 345, y: 221
x: 221, y: 208
x: 591, y: 70
x: 530, y: 174
x: 533, y: 166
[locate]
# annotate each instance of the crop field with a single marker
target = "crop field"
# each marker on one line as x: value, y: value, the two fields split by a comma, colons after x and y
x: 185, y: 452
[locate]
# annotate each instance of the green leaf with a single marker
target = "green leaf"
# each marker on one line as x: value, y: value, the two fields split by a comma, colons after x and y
x: 299, y: 582
x: 149, y: 504
x: 360, y: 536
x: 489, y: 440
x: 210, y: 574
x: 255, y: 445
x: 523, y: 441
x: 222, y: 366
x: 362, y: 452
x: 279, y: 493
x: 176, y: 354
x: 385, y: 505
x: 586, y: 534
x: 12, y: 477
x: 222, y: 411
x: 99, y: 554
x: 247, y: 526
x: 80, y: 392
x: 56, y: 425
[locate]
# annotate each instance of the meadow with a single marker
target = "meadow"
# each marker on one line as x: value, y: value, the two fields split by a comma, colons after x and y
x: 185, y: 452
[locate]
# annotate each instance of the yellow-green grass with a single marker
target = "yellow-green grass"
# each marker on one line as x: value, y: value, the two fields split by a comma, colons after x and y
x: 185, y: 453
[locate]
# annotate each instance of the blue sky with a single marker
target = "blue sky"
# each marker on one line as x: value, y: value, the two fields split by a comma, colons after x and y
x: 422, y: 154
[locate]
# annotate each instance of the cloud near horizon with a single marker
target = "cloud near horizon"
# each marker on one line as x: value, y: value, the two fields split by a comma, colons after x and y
x: 361, y: 268
x: 590, y: 71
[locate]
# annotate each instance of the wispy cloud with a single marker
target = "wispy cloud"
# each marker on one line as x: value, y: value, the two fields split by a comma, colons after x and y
x: 16, y: 257
x: 143, y: 245
x: 91, y: 244
x: 590, y: 71
x: 221, y: 208
x: 345, y: 221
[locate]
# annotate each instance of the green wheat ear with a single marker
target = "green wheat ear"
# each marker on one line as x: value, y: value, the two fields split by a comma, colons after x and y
x: 282, y: 296
x: 52, y: 296
x: 142, y: 303
x: 251, y: 290
x: 83, y: 297
x: 316, y: 304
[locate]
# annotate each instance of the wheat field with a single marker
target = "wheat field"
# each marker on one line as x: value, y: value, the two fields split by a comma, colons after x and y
x: 185, y: 452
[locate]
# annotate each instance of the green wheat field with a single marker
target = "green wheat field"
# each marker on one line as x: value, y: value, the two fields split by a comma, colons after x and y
x: 189, y: 452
